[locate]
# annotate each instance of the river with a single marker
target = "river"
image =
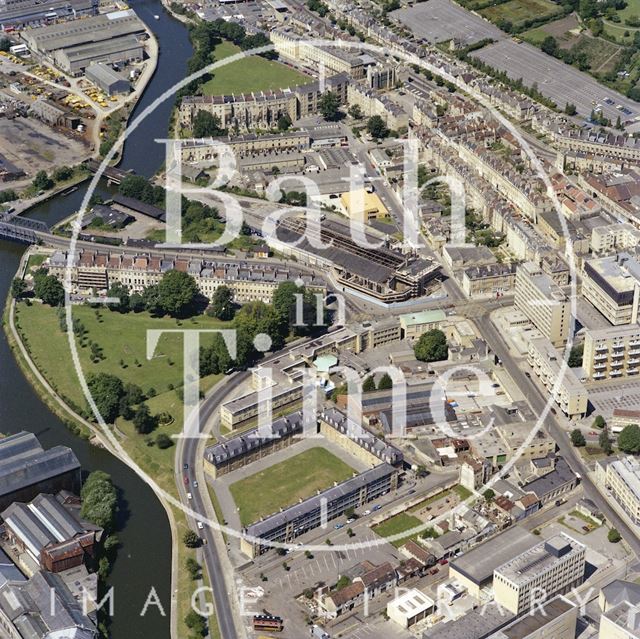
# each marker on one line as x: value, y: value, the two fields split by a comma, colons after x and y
x: 144, y: 559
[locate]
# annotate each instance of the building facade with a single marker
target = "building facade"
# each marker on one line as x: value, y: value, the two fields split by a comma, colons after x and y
x: 612, y: 353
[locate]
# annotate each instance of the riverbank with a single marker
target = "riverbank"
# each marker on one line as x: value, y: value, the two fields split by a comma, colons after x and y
x: 151, y: 464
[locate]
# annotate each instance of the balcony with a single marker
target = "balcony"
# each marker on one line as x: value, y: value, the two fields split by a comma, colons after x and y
x: 599, y: 375
x: 616, y: 373
x: 600, y: 357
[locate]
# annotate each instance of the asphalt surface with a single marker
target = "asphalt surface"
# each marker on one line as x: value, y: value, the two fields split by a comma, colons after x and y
x: 537, y: 402
x: 188, y: 454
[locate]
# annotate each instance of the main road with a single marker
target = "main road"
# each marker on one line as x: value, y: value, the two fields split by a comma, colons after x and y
x: 188, y: 454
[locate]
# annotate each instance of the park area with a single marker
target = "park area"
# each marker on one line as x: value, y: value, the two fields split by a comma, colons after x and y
x: 121, y: 338
x: 519, y: 12
x: 397, y: 525
x: 286, y: 482
x: 252, y: 73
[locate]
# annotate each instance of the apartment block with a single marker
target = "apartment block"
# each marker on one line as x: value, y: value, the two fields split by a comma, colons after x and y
x: 621, y: 479
x: 543, y: 302
x: 611, y: 353
x: 614, y: 237
x: 570, y: 394
x: 550, y: 568
x: 612, y: 285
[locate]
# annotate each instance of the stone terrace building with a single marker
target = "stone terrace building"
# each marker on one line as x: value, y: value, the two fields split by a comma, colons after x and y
x: 95, y: 271
x: 252, y: 445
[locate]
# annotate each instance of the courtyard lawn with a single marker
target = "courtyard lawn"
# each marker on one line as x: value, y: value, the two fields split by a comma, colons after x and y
x: 286, y: 482
x: 396, y: 525
x: 253, y: 73
x: 122, y: 338
x: 519, y: 11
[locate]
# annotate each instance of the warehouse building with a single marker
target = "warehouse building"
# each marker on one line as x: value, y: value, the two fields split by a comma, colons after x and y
x: 15, y: 14
x: 49, y: 534
x: 26, y: 469
x: 287, y: 525
x: 73, y: 46
x: 106, y: 79
x: 27, y: 609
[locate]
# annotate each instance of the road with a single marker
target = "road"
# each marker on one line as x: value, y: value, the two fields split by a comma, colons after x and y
x: 537, y: 402
x: 188, y: 453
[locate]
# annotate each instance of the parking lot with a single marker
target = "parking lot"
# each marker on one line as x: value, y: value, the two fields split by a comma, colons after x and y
x: 605, y: 396
x: 442, y: 20
x: 555, y: 79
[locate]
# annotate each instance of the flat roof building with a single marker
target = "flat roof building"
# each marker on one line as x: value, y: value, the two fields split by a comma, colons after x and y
x: 552, y: 567
x: 543, y: 302
x: 474, y: 569
x: 558, y: 622
x: 612, y: 285
x: 560, y: 380
x: 620, y: 622
x: 22, y: 13
x: 362, y: 206
x: 410, y: 608
x: 612, y: 353
x: 621, y: 478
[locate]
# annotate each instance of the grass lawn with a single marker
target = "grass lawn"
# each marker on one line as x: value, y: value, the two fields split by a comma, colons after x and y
x: 249, y: 74
x: 34, y: 262
x: 122, y: 338
x: 517, y: 11
x: 397, y: 525
x: 283, y: 484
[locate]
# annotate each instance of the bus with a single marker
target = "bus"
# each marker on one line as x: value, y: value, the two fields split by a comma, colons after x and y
x: 268, y: 623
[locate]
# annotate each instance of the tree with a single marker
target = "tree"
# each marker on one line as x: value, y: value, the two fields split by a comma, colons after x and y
x: 106, y: 391
x: 432, y: 346
x: 136, y: 302
x: 5, y: 44
x: 190, y: 539
x: 599, y: 422
x: 550, y: 46
x: 284, y: 122
x: 206, y: 125
x: 343, y: 582
x: 151, y: 300
x: 143, y: 420
x: 570, y: 109
x: 99, y: 500
x: 577, y: 438
x: 614, y: 536
x: 629, y: 439
x: 355, y: 111
x: 120, y: 291
x: 18, y: 287
x: 604, y: 441
x: 48, y: 288
x: 196, y: 622
x: 328, y: 105
x: 385, y: 382
x: 62, y: 173
x: 222, y: 306
x: 575, y: 356
x: 41, y: 181
x: 177, y: 291
x: 369, y: 384
x: 376, y: 127
x: 489, y: 494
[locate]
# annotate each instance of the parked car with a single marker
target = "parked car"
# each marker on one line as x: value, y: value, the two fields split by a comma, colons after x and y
x: 189, y: 495
x: 200, y: 525
x: 195, y: 483
x: 443, y: 562
x: 185, y: 467
x: 338, y: 526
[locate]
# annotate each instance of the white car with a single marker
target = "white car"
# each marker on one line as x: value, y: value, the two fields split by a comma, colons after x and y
x: 367, y: 512
x: 195, y: 483
x: 189, y: 496
x: 200, y: 525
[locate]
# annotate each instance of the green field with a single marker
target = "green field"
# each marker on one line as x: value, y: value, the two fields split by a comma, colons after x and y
x: 249, y: 74
x: 397, y: 525
x: 122, y: 337
x: 519, y: 11
x: 286, y: 482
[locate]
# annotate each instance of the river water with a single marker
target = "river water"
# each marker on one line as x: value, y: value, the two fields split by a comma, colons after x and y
x: 144, y: 559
